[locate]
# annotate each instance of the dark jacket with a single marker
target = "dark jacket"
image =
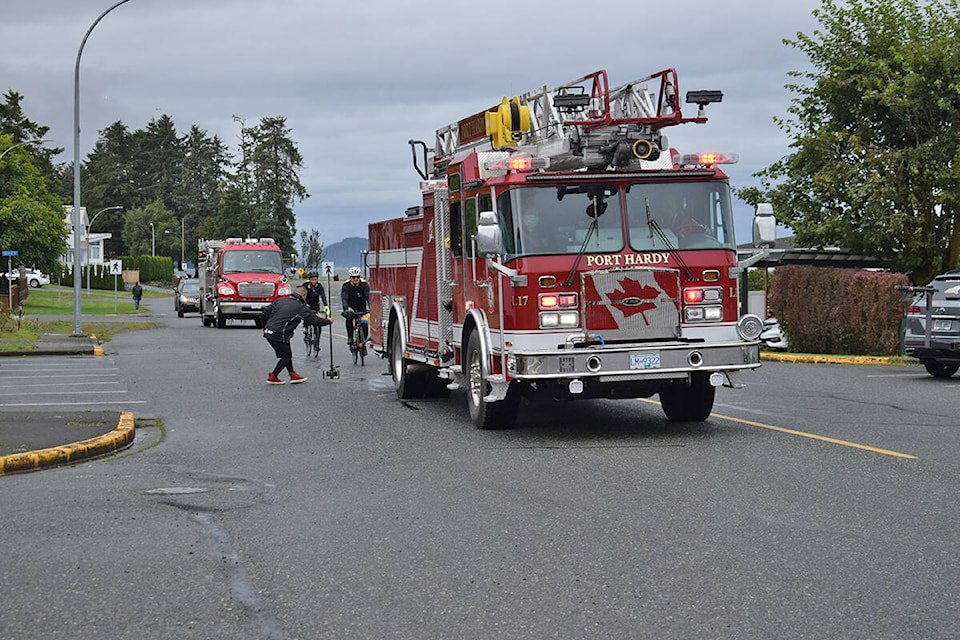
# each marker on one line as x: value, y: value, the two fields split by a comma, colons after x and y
x: 355, y: 297
x: 137, y: 292
x: 281, y: 317
x: 315, y: 295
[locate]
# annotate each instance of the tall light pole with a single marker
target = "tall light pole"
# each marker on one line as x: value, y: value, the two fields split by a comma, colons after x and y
x: 182, y: 246
x: 90, y: 226
x: 77, y: 323
x: 153, y: 240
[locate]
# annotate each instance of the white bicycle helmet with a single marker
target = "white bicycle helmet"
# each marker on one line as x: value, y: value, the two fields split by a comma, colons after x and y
x: 354, y: 272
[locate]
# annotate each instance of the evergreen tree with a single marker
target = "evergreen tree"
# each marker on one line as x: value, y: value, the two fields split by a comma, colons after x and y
x: 275, y: 161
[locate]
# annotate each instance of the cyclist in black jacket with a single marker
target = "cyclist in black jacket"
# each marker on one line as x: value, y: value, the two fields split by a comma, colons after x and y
x: 316, y: 293
x: 280, y: 319
x: 354, y: 296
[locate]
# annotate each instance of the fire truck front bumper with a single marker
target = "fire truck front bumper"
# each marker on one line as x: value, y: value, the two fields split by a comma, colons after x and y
x: 624, y: 363
x: 242, y: 308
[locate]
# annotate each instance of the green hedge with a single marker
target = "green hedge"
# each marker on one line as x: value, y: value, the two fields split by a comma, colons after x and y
x: 152, y: 268
x: 839, y: 311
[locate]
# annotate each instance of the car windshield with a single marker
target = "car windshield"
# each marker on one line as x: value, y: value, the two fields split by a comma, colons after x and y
x: 252, y: 261
x: 190, y: 287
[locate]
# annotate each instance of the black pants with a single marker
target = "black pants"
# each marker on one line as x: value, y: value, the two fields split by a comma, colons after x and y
x: 284, y: 355
x: 350, y: 320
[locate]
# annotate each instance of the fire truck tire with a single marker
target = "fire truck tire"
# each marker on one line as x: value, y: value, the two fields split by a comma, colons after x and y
x: 938, y: 370
x: 487, y: 415
x: 219, y: 319
x: 408, y: 385
x: 689, y: 404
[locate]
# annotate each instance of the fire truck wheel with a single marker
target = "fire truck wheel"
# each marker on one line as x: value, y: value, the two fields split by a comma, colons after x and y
x: 408, y: 385
x: 487, y: 415
x: 219, y: 319
x: 689, y: 404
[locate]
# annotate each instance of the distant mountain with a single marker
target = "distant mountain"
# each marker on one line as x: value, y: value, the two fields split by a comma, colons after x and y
x: 346, y: 253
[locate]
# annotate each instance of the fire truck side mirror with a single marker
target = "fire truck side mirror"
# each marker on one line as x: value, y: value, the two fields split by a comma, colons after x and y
x: 489, y: 238
x: 764, y: 225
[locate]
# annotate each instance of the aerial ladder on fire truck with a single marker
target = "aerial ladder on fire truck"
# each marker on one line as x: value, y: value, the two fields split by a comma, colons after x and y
x: 579, y: 124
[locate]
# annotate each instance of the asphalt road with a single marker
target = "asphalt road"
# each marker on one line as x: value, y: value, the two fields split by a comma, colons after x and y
x: 817, y: 503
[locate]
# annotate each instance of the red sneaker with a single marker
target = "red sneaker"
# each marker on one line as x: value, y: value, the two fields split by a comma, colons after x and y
x: 273, y: 379
x: 296, y: 378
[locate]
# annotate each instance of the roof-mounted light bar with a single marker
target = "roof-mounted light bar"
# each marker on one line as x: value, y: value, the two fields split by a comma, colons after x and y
x: 706, y: 159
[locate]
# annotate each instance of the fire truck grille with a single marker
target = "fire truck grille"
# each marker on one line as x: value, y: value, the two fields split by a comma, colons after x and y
x: 255, y: 289
x: 632, y: 304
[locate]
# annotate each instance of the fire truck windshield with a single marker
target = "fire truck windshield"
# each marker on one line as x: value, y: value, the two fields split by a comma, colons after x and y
x: 252, y: 261
x: 691, y: 215
x: 564, y: 219
x: 559, y: 220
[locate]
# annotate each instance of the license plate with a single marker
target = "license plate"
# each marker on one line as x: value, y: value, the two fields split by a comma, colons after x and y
x: 645, y: 360
x: 942, y: 325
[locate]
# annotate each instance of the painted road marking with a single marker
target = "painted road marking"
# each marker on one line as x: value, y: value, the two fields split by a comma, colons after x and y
x: 804, y: 434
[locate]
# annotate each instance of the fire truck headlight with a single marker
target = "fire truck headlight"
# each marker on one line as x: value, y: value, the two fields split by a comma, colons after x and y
x: 225, y: 290
x: 284, y: 289
x: 703, y: 314
x: 554, y: 319
x: 549, y: 320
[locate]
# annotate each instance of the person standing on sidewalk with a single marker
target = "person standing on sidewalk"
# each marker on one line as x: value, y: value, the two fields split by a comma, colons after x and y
x: 137, y: 294
x: 280, y: 319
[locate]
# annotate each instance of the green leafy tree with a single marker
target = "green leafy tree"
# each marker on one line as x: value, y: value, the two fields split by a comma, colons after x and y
x: 140, y: 237
x: 31, y: 215
x: 312, y: 250
x: 875, y: 131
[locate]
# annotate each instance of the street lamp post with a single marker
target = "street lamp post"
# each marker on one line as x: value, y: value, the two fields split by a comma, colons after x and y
x: 20, y: 144
x: 77, y: 323
x: 153, y: 240
x: 182, y: 246
x: 90, y: 226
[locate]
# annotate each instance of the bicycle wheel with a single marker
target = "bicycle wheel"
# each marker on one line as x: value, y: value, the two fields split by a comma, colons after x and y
x: 316, y: 341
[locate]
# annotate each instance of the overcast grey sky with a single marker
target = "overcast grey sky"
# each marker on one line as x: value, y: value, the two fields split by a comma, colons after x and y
x: 357, y: 80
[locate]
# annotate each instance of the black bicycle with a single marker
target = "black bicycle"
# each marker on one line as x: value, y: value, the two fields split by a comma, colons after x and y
x: 358, y: 337
x: 311, y: 339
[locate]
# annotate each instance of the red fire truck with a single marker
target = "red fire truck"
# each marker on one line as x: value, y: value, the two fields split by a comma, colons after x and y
x: 238, y: 278
x: 563, y: 250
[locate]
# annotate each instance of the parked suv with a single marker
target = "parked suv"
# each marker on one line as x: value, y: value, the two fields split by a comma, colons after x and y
x: 936, y: 306
x: 34, y: 277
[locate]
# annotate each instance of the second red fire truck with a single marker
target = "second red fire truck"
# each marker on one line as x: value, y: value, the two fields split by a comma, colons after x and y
x: 563, y: 250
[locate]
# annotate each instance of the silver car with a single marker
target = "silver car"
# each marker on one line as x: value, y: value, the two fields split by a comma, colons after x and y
x: 932, y: 332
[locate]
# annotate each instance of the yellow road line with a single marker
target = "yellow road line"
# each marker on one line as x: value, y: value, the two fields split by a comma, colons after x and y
x: 804, y: 434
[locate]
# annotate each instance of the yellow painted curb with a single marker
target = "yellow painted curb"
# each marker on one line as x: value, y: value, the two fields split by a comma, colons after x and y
x: 821, y: 359
x: 115, y: 440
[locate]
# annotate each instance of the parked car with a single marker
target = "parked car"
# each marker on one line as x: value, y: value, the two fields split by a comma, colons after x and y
x: 936, y: 306
x: 186, y: 297
x: 35, y: 278
x: 772, y: 336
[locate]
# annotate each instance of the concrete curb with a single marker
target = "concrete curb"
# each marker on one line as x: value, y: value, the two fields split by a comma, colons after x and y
x: 121, y: 437
x: 52, y: 345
